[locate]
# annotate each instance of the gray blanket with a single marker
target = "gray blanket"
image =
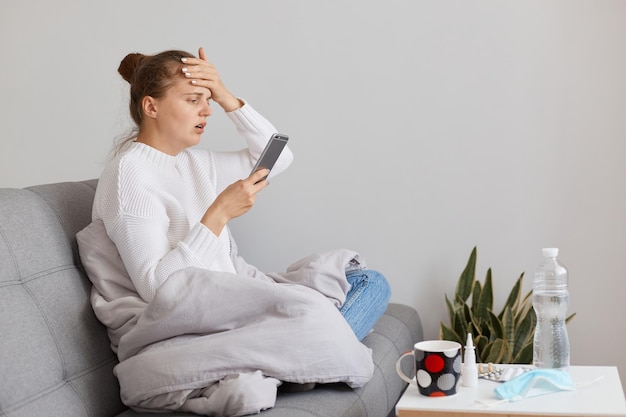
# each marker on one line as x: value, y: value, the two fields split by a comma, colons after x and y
x: 219, y: 344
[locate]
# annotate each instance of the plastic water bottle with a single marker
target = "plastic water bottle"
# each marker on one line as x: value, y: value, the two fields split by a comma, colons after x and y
x: 550, y: 301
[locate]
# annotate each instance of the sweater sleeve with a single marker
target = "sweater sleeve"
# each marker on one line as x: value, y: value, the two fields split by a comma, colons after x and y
x: 256, y: 130
x: 147, y: 256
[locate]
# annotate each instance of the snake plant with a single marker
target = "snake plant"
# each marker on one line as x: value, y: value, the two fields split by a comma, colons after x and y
x: 503, y: 338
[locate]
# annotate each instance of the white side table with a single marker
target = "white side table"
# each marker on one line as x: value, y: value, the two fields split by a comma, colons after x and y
x: 602, y: 398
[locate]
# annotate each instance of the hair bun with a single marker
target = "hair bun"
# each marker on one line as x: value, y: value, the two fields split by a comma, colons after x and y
x: 129, y: 64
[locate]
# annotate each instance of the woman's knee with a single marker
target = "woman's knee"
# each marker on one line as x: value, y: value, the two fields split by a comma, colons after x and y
x: 366, y: 301
x: 369, y: 287
x: 378, y: 283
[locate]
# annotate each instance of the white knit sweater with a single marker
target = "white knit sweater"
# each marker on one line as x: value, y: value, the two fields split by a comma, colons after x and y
x: 151, y: 203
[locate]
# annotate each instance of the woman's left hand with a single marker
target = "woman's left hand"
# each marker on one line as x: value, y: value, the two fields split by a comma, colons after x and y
x: 204, y: 74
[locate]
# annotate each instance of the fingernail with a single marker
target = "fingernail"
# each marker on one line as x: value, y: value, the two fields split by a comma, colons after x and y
x: 184, y: 69
x: 193, y: 82
x: 187, y: 74
x: 183, y: 59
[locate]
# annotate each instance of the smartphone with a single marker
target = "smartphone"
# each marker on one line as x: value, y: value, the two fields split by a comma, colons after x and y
x: 271, y: 153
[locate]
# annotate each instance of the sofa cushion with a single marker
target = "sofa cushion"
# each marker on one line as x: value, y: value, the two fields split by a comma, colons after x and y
x: 55, y: 354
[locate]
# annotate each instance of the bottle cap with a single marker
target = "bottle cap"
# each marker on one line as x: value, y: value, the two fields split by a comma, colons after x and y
x: 470, y: 355
x: 550, y: 252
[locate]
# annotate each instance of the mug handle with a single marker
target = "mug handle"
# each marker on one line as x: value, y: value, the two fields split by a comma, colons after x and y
x: 399, y: 369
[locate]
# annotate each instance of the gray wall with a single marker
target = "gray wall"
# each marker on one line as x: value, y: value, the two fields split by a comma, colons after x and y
x: 420, y: 129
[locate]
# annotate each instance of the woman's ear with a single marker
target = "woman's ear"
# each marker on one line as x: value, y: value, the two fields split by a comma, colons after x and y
x: 149, y: 106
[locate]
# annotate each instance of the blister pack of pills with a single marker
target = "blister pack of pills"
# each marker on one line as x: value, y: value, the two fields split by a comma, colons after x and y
x: 498, y: 373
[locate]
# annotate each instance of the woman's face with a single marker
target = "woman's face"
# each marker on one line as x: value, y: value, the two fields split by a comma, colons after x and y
x: 181, y: 116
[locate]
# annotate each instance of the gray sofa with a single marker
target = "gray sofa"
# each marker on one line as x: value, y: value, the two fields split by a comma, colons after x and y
x: 55, y: 358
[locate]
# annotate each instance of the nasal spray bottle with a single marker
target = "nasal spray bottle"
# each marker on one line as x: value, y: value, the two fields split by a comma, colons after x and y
x: 469, y: 371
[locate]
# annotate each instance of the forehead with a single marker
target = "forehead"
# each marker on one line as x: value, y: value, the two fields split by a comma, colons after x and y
x: 182, y: 85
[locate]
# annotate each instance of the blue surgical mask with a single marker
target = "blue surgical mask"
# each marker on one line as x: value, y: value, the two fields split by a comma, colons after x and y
x: 535, y: 382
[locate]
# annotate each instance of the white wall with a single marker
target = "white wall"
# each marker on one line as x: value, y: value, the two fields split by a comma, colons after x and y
x: 420, y: 129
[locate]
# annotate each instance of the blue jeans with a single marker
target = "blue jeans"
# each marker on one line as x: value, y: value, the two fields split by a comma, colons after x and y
x: 366, y: 301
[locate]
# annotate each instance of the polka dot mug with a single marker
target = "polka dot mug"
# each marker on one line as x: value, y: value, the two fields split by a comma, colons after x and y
x: 437, y: 367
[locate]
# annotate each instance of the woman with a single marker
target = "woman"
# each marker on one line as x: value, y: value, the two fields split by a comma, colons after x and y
x: 167, y: 207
